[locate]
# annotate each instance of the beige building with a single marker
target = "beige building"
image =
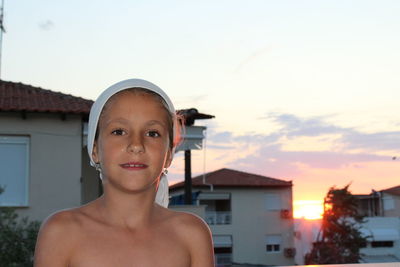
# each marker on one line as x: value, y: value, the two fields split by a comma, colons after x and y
x: 383, y: 203
x: 391, y: 201
x: 43, y: 159
x: 250, y: 216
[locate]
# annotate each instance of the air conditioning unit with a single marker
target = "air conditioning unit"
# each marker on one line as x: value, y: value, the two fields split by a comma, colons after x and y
x: 289, y: 252
x: 286, y: 214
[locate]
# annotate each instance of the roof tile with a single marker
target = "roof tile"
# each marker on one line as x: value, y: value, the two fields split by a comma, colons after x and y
x: 233, y: 178
x: 23, y: 97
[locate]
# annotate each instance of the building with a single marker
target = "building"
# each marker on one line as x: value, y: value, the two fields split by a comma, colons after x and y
x: 250, y: 216
x: 383, y: 203
x: 43, y: 156
x: 43, y: 159
x: 382, y: 226
x: 383, y: 239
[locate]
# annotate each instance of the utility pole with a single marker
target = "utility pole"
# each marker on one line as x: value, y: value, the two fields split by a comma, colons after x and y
x: 2, y: 29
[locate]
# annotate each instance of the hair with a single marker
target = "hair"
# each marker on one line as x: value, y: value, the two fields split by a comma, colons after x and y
x: 175, y: 122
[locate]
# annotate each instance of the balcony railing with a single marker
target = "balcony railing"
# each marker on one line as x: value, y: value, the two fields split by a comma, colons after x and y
x: 218, y: 217
x: 223, y: 259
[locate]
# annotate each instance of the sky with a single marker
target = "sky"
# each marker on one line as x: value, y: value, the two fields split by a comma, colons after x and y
x: 306, y: 91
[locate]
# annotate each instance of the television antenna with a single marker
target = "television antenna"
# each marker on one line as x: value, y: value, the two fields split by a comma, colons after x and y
x: 2, y: 29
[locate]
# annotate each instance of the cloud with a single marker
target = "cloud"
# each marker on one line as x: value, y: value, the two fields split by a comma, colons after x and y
x: 221, y: 137
x: 373, y: 141
x: 254, y: 56
x: 46, y: 25
x: 267, y: 153
x: 295, y: 126
x: 310, y: 151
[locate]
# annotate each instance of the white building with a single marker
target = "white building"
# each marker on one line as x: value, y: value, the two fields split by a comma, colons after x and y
x: 43, y: 162
x: 250, y: 216
x: 381, y: 227
x: 383, y: 239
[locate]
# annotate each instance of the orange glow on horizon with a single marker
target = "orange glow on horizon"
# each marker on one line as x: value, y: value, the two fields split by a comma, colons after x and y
x: 308, y: 209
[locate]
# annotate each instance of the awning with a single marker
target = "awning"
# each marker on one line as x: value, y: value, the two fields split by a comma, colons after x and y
x: 380, y: 234
x: 222, y: 241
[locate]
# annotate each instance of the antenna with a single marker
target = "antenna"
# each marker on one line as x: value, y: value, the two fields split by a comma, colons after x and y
x: 2, y: 29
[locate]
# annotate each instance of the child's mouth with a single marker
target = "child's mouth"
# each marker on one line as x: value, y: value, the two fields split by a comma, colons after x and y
x: 133, y: 166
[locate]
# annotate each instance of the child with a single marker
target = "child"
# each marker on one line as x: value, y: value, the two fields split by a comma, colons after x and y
x: 131, y: 140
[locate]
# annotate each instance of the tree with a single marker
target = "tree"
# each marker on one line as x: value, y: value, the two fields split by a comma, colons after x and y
x: 339, y: 240
x: 17, y: 238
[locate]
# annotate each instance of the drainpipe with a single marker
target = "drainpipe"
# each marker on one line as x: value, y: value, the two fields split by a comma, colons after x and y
x: 204, y: 161
x: 188, y: 178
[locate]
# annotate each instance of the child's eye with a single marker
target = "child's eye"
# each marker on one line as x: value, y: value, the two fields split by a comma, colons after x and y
x: 118, y: 132
x: 153, y: 134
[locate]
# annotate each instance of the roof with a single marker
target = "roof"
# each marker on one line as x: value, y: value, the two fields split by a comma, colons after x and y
x: 192, y: 114
x: 27, y: 98
x: 393, y: 190
x: 233, y: 178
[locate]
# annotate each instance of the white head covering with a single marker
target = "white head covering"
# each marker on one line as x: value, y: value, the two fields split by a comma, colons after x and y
x: 162, y: 192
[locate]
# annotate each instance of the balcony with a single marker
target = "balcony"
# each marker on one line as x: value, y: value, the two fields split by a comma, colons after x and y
x: 223, y: 259
x: 218, y: 217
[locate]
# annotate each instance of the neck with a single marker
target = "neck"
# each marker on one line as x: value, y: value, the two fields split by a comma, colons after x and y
x: 131, y: 210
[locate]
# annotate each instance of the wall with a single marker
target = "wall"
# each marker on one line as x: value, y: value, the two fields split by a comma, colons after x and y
x: 395, y: 199
x: 198, y: 210
x: 251, y: 222
x: 91, y: 183
x: 55, y: 160
x: 383, y: 223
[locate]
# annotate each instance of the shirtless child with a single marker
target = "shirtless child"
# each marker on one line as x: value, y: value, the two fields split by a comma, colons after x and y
x: 131, y: 139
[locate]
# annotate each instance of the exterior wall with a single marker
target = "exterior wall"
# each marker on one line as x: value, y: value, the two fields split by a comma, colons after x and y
x: 91, y: 183
x: 395, y: 212
x: 251, y: 222
x: 55, y: 160
x: 198, y: 210
x: 383, y: 223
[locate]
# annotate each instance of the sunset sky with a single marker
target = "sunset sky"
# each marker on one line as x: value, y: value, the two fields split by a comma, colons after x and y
x: 306, y: 91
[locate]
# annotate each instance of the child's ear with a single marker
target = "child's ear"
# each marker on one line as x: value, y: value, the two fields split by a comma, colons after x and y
x: 95, y: 153
x: 168, y: 159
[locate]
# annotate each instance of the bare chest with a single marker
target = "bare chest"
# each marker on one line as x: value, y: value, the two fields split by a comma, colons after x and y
x: 110, y: 249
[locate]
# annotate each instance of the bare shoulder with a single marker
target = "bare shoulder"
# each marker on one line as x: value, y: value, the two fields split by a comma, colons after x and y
x: 197, y: 236
x: 56, y: 238
x: 190, y: 223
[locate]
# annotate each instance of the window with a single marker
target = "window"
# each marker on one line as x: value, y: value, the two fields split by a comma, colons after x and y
x: 273, y: 243
x: 273, y: 201
x: 388, y: 203
x: 14, y: 166
x: 223, y: 250
x: 382, y: 244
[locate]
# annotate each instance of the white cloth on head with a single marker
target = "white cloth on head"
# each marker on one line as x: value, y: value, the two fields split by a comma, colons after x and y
x: 95, y: 111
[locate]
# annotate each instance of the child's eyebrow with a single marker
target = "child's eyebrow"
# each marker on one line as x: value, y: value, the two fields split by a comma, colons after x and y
x: 153, y: 122
x: 125, y: 121
x: 120, y: 120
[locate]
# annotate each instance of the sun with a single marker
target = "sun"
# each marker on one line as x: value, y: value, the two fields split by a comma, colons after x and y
x: 308, y: 209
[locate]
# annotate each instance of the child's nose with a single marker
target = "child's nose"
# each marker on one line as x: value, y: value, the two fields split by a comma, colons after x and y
x: 136, y: 145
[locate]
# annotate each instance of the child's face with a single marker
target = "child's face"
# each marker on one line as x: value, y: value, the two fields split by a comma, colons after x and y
x: 133, y: 143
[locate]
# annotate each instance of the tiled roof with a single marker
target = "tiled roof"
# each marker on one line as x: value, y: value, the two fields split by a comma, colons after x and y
x: 23, y: 97
x: 393, y: 190
x: 232, y: 178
